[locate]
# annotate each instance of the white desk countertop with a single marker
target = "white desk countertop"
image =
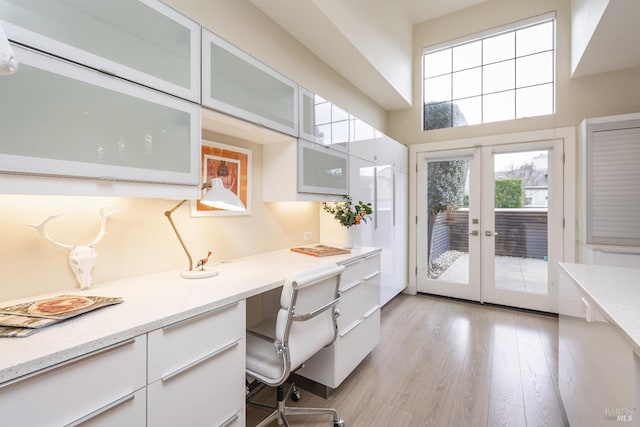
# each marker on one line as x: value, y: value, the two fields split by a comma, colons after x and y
x: 151, y: 302
x: 616, y: 293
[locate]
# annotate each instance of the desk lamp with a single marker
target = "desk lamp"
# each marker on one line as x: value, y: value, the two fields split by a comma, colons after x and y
x: 216, y: 196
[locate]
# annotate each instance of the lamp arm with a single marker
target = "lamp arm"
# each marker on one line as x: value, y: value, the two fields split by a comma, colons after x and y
x: 168, y: 215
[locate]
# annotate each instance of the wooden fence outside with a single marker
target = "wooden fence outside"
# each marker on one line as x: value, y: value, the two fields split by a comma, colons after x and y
x: 521, y: 233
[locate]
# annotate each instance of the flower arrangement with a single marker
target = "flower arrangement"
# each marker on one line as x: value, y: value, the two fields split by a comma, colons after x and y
x: 347, y: 213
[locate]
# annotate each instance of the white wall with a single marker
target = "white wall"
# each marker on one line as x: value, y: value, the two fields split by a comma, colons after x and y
x: 139, y: 239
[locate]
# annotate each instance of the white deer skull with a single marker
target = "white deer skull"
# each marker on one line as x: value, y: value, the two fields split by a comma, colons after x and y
x: 82, y: 259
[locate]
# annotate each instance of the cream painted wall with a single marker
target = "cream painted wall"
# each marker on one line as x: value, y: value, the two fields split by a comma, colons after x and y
x: 245, y: 26
x: 592, y: 96
x: 139, y: 239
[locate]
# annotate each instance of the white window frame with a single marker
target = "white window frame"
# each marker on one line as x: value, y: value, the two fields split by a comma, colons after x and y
x: 513, y: 27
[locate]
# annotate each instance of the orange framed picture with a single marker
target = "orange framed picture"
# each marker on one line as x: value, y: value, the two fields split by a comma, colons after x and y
x: 233, y: 166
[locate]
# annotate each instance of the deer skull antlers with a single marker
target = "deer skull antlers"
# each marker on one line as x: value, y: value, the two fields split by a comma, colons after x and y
x: 82, y: 259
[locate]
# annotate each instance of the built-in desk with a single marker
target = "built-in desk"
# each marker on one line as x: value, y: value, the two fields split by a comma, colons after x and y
x: 148, y: 360
x: 599, y: 344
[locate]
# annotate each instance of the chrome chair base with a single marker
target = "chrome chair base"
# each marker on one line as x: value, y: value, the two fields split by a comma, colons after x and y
x: 281, y: 411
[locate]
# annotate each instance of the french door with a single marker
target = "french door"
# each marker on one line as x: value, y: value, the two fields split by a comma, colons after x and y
x: 490, y: 223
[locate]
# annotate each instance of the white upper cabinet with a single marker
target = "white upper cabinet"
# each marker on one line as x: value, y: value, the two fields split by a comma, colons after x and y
x: 300, y: 170
x: 144, y: 41
x: 323, y: 122
x: 363, y: 139
x: 401, y: 157
x: 236, y: 83
x: 63, y: 119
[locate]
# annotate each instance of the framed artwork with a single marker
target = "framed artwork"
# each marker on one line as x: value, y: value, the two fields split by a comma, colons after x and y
x: 233, y: 166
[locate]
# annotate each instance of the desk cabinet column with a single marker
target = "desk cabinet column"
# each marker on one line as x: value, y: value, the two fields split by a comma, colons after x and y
x: 196, y: 370
x: 358, y: 324
x: 597, y: 366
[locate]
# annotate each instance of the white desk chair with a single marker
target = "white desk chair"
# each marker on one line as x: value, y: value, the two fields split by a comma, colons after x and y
x: 305, y: 323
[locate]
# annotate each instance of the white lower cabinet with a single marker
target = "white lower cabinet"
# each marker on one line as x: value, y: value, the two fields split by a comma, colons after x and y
x: 105, y: 387
x: 190, y: 373
x: 196, y: 370
x: 599, y: 373
x: 358, y: 324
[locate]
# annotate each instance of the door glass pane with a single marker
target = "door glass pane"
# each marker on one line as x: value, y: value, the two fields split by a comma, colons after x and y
x: 448, y: 220
x: 521, y: 207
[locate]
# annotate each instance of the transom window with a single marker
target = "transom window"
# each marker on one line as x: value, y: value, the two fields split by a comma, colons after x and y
x: 504, y: 74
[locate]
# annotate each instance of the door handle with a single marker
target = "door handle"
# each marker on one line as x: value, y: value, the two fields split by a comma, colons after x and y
x: 474, y: 233
x: 490, y: 233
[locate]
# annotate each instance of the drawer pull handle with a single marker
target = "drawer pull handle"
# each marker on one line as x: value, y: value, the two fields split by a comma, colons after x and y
x: 351, y: 327
x: 372, y: 275
x: 229, y: 421
x: 200, y: 316
x: 102, y: 410
x: 350, y: 263
x: 372, y: 256
x: 370, y: 312
x: 203, y: 359
x: 351, y: 285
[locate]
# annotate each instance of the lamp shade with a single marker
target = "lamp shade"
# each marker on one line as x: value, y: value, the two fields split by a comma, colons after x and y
x: 218, y: 196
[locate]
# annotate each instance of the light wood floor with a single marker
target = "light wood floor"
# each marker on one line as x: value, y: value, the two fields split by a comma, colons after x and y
x: 443, y: 362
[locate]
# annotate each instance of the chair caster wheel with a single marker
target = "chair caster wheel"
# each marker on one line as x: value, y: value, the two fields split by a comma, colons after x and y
x: 338, y: 423
x: 295, y: 395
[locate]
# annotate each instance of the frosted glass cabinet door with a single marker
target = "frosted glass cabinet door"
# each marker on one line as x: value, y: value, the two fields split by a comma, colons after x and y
x: 141, y: 40
x: 322, y: 170
x: 59, y: 118
x: 238, y: 84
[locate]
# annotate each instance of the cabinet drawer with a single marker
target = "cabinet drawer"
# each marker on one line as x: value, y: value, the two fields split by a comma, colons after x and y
x: 371, y: 264
x: 130, y: 411
x: 236, y: 420
x: 371, y: 329
x: 348, y: 350
x: 352, y: 305
x: 181, y: 344
x: 208, y: 393
x: 354, y: 271
x: 77, y: 389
